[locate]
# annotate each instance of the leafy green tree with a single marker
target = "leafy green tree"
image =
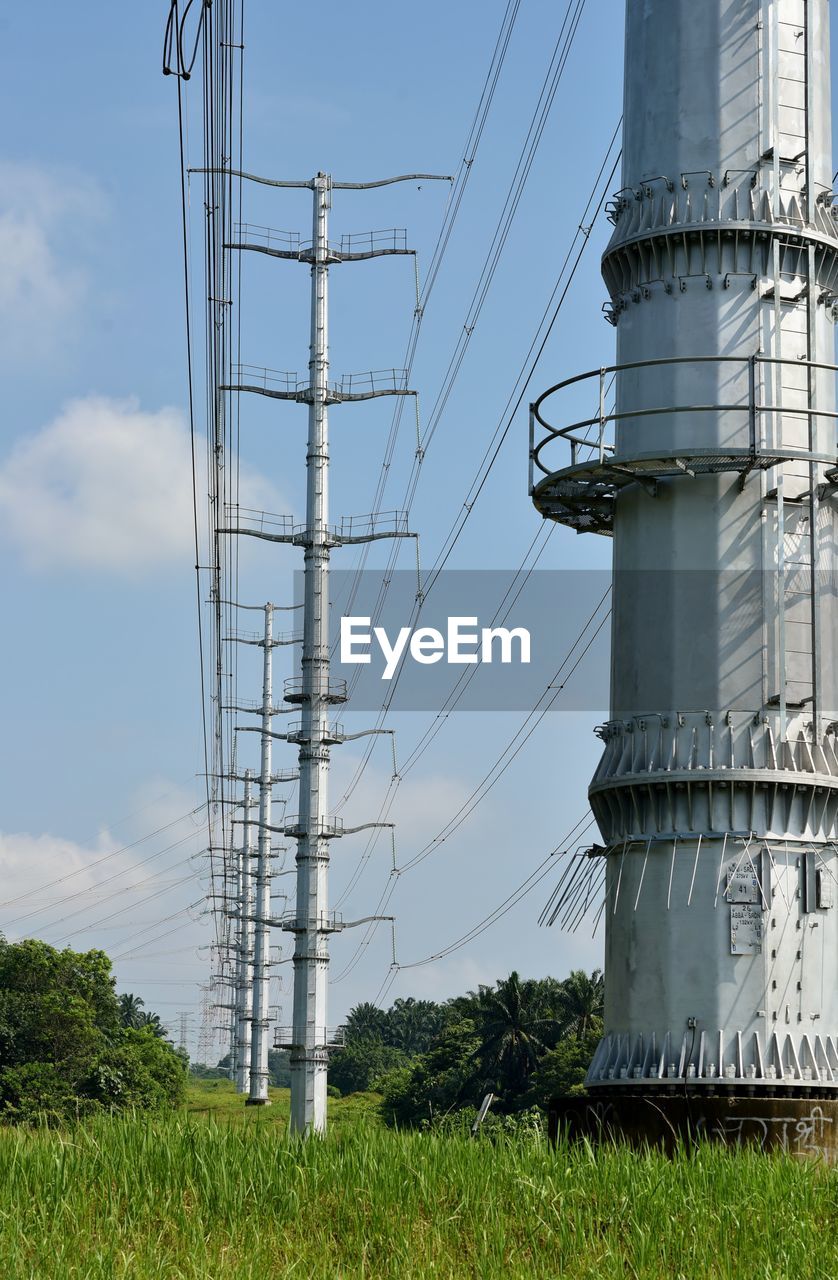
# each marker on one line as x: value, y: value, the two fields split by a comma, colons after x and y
x: 63, y: 1048
x: 444, y: 1078
x: 200, y: 1071
x: 562, y: 1070
x: 413, y: 1025
x: 37, y: 1092
x: 279, y: 1068
x: 526, y: 1040
x: 515, y: 1026
x: 150, y: 1022
x: 55, y: 1006
x: 362, y: 1063
x: 140, y: 1071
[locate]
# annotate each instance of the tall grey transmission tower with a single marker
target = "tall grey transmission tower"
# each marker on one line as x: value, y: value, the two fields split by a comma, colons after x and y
x: 252, y: 909
x: 716, y: 474
x: 311, y: 923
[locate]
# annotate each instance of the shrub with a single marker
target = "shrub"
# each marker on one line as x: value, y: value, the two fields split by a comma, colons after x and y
x: 362, y: 1064
x: 139, y: 1071
x: 37, y: 1093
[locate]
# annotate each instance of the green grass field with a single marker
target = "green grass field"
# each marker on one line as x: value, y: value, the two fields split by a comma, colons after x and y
x: 220, y: 1192
x: 218, y: 1100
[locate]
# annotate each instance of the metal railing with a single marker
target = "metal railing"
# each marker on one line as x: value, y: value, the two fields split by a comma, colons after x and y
x: 393, y: 238
x: 270, y: 379
x: 326, y: 828
x: 254, y: 637
x: 244, y: 637
x: 329, y: 690
x: 358, y: 385
x: 374, y: 380
x: 327, y: 1037
x: 595, y: 434
x: 335, y: 733
x: 287, y: 241
x: 350, y: 529
x: 259, y: 521
x: 374, y: 522
x: 388, y: 239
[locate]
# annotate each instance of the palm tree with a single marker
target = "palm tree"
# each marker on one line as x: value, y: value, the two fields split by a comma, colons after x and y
x: 365, y: 1022
x: 151, y: 1022
x: 413, y: 1024
x: 581, y: 1002
x: 130, y: 1010
x: 514, y: 1025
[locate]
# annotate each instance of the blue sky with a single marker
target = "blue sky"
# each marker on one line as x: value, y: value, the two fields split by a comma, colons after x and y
x: 99, y: 647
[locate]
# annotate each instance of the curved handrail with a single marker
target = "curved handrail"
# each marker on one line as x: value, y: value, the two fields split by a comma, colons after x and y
x: 633, y: 364
x: 603, y: 419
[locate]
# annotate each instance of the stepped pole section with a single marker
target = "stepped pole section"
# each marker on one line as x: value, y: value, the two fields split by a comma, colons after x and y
x: 258, y: 1096
x: 309, y: 1054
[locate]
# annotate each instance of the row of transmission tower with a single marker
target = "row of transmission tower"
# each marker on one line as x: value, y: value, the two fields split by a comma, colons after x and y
x: 252, y: 860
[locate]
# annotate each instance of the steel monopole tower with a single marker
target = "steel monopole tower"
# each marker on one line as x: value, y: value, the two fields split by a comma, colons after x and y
x: 715, y: 472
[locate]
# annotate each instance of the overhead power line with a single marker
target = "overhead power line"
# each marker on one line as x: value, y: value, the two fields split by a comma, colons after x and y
x: 131, y: 906
x: 501, y: 764
x: 106, y: 857
x: 509, y: 903
x: 452, y: 210
x: 96, y: 888
x: 595, y: 201
x: 173, y: 43
x: 190, y: 906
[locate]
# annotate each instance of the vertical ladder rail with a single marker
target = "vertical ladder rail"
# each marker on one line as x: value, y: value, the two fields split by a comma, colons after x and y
x: 813, y: 375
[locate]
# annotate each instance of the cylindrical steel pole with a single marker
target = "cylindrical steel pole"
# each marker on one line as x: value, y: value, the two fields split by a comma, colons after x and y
x: 717, y: 792
x: 244, y: 950
x: 259, y: 1038
x: 233, y: 1006
x: 311, y: 956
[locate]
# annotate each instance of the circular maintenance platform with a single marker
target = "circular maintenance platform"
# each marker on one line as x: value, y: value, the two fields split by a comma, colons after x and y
x: 582, y: 491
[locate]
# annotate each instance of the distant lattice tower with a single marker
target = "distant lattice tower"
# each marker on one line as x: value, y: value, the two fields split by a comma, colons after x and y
x: 206, y: 1033
x: 715, y: 472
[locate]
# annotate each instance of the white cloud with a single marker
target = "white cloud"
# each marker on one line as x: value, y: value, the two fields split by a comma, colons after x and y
x: 107, y: 485
x: 44, y: 214
x: 60, y: 889
x: 58, y: 868
x: 126, y: 894
x: 158, y: 801
x: 422, y: 807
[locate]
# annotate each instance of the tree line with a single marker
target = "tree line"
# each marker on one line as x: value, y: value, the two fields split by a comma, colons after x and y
x: 524, y: 1040
x: 70, y: 1046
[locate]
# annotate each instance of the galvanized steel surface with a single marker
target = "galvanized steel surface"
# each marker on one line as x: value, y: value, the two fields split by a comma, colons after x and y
x: 714, y: 469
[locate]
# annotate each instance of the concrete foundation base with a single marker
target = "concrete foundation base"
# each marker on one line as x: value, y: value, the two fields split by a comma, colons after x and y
x: 803, y: 1127
x: 258, y: 1102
